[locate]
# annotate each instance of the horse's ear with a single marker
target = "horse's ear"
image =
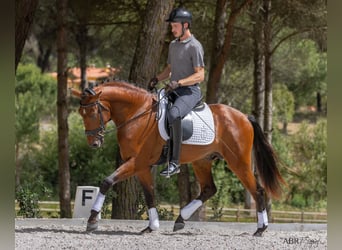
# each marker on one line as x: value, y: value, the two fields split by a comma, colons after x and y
x: 98, y: 94
x: 76, y: 93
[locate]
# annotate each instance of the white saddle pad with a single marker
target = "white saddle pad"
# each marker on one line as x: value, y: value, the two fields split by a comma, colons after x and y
x: 203, y: 123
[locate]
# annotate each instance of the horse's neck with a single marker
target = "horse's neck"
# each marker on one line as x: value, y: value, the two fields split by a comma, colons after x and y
x: 124, y: 103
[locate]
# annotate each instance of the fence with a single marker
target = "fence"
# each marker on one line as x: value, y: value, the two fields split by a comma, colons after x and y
x: 224, y: 214
x: 277, y: 216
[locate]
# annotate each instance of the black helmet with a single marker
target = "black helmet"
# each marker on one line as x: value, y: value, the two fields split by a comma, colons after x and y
x: 180, y: 15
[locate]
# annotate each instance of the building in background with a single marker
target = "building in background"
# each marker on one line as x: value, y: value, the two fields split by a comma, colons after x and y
x: 94, y: 75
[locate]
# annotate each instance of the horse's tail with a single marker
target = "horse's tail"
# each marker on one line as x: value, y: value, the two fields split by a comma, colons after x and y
x: 266, y: 161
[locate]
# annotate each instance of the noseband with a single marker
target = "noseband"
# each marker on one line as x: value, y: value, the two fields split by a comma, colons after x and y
x: 98, y: 132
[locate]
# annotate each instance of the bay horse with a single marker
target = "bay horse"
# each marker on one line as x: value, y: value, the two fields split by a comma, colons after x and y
x: 134, y: 109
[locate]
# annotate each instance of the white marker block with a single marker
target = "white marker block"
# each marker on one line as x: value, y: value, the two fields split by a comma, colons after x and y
x: 84, y: 200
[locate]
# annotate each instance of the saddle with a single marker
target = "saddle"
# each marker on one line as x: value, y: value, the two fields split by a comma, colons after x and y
x: 197, y: 126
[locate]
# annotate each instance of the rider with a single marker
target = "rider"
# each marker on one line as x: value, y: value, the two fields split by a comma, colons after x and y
x: 185, y: 68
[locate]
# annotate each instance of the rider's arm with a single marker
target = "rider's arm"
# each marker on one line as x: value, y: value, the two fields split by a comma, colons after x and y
x: 165, y: 74
x: 196, y: 77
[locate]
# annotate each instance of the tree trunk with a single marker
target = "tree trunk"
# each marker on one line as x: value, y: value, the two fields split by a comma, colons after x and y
x: 43, y: 58
x: 218, y: 42
x: 144, y: 66
x: 150, y: 41
x: 284, y: 130
x: 319, y: 102
x: 259, y: 64
x: 125, y: 202
x: 24, y: 14
x: 217, y: 65
x: 17, y: 165
x: 81, y: 37
x: 268, y: 81
x: 268, y: 71
x: 62, y: 112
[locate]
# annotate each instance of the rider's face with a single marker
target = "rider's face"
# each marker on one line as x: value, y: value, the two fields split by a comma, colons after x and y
x: 176, y: 29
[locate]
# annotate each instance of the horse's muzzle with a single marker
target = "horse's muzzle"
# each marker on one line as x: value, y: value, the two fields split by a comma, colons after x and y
x: 95, y: 137
x: 95, y: 142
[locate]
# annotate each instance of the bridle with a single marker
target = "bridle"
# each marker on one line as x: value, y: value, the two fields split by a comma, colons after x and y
x: 100, y: 131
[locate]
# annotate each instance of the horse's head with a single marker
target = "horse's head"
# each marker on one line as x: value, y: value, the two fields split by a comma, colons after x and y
x: 95, y: 116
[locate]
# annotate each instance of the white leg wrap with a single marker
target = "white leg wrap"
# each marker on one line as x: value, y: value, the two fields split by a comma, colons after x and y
x: 262, y: 219
x: 189, y: 209
x: 98, y: 202
x: 153, y: 218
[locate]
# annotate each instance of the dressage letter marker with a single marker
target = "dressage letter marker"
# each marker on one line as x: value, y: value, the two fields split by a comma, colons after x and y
x: 84, y: 200
x: 84, y: 195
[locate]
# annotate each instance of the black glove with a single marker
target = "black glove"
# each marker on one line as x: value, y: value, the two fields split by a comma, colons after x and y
x: 152, y: 84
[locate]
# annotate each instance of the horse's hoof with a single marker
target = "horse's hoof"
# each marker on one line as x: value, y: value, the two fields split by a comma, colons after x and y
x: 260, y: 231
x: 92, y: 226
x: 146, y: 230
x: 179, y: 224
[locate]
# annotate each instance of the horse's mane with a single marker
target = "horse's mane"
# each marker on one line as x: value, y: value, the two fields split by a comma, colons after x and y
x: 125, y: 85
x: 130, y: 89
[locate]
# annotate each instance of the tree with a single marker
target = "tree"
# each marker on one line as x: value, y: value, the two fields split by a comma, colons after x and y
x: 220, y: 55
x: 62, y: 111
x: 299, y: 17
x: 268, y: 69
x: 34, y: 97
x: 283, y: 105
x: 150, y: 41
x: 259, y: 63
x: 144, y: 66
x: 303, y: 69
x: 82, y: 10
x: 24, y: 14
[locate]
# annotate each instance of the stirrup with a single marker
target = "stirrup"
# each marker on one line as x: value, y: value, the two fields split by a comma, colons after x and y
x: 171, y: 169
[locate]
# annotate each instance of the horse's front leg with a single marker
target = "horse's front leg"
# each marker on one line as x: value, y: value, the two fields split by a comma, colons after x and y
x: 123, y: 172
x: 146, y: 181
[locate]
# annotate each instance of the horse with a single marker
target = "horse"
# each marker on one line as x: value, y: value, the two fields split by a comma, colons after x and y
x: 134, y: 110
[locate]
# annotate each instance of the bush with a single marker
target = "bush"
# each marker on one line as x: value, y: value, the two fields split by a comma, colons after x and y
x: 298, y: 201
x: 28, y: 202
x: 229, y: 188
x: 304, y: 164
x: 87, y: 166
x: 28, y: 196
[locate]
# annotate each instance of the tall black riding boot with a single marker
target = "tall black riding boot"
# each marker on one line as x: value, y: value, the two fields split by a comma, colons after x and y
x: 176, y: 138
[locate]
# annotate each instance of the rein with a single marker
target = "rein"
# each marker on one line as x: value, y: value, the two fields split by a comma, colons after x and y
x: 138, y: 115
x: 101, y: 131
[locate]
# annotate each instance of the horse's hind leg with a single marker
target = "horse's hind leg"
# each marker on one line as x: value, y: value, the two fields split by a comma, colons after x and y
x: 260, y: 198
x: 202, y: 170
x: 251, y: 183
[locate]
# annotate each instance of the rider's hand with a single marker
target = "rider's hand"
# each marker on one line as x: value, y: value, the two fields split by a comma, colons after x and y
x: 152, y: 84
x: 173, y: 85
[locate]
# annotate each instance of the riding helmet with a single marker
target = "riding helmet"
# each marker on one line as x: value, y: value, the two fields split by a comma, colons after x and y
x: 180, y: 15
